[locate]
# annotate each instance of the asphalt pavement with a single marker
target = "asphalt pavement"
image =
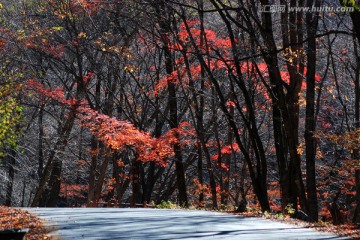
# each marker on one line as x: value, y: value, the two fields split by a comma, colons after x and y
x: 161, y: 224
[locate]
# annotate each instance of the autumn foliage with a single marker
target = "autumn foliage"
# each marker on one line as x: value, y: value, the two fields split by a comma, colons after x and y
x: 209, y: 103
x: 11, y: 218
x: 116, y: 134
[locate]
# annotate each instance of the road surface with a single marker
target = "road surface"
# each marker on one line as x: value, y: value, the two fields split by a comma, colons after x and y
x: 139, y: 224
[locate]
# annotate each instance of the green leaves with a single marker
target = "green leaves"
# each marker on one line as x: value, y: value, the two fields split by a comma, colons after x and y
x: 351, y: 3
x: 10, y: 116
x: 57, y: 28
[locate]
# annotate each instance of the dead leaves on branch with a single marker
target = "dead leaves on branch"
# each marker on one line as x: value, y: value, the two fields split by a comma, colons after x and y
x: 349, y: 140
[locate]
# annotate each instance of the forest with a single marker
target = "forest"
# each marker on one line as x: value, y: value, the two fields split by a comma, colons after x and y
x: 246, y: 105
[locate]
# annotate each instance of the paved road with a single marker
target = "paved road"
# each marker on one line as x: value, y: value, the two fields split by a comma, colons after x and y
x: 139, y: 224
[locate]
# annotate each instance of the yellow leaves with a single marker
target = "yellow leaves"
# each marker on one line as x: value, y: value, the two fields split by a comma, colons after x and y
x: 21, y: 34
x: 82, y: 35
x: 129, y: 69
x: 299, y: 149
x: 1, y: 6
x: 319, y: 154
x: 10, y: 114
x: 302, y: 100
x: 291, y: 55
x: 349, y: 140
x: 57, y: 28
x: 330, y: 89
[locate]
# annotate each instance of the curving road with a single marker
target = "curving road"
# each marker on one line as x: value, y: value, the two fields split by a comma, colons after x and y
x: 139, y: 224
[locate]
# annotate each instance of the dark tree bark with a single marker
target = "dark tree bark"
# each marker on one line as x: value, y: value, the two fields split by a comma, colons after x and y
x: 199, y: 122
x: 55, y: 182
x: 135, y: 182
x: 92, y: 171
x: 41, y: 141
x: 59, y: 146
x: 11, y: 162
x: 101, y: 179
x: 356, y: 217
x: 355, y: 16
x: 285, y: 104
x: 310, y: 121
x: 165, y: 19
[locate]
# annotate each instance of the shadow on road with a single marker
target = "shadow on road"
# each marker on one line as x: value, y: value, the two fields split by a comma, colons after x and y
x: 114, y: 223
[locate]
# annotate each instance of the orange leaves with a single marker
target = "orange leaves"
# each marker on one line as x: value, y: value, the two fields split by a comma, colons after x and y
x: 11, y: 218
x: 119, y: 135
x: 230, y: 104
x: 3, y: 42
x: 163, y: 83
x: 72, y: 190
x: 350, y: 140
x: 180, y: 76
x: 191, y: 30
x: 226, y: 150
x: 201, y: 188
x: 44, y: 95
x: 120, y: 163
x: 229, y: 149
x: 53, y: 51
x: 87, y: 77
x: 261, y: 68
x: 40, y: 39
x: 188, y: 35
x: 224, y: 166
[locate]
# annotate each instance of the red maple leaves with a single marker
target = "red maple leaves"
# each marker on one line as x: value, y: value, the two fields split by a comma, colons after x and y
x: 116, y: 134
x: 208, y: 42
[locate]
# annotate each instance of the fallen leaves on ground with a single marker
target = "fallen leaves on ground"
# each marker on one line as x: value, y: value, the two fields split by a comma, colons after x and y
x: 344, y: 230
x: 11, y: 218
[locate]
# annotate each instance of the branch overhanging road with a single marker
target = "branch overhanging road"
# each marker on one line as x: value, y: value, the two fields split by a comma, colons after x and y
x: 128, y: 223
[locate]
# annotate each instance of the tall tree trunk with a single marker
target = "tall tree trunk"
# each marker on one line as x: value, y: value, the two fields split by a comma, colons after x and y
x: 355, y: 17
x: 165, y: 29
x: 285, y: 106
x: 41, y: 141
x: 356, y: 217
x: 23, y: 193
x: 135, y: 182
x: 199, y: 122
x: 310, y: 121
x: 257, y: 169
x: 55, y: 182
x: 199, y: 166
x: 56, y: 169
x: 101, y: 179
x: 154, y: 171
x: 227, y: 159
x: 92, y: 172
x: 58, y: 147
x: 11, y: 162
